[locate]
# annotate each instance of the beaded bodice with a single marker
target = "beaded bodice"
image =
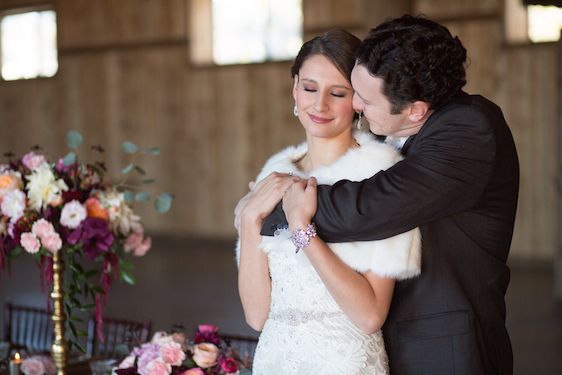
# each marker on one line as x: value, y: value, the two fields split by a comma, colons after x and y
x: 306, y: 331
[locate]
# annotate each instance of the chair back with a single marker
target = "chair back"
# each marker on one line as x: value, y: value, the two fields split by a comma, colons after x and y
x: 243, y: 347
x: 28, y: 328
x: 119, y: 337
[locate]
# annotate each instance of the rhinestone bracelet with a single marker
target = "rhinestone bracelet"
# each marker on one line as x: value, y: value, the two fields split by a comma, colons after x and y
x: 301, y: 237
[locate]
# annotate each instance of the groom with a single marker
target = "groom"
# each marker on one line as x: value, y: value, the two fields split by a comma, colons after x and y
x: 458, y: 183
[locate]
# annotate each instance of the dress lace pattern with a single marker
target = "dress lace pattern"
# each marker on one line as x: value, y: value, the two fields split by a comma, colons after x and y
x: 306, y: 331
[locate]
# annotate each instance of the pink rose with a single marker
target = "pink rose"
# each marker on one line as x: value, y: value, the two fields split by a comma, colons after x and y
x: 137, y: 243
x: 52, y: 242
x: 194, y: 371
x: 172, y: 353
x: 207, y: 328
x: 48, y: 364
x: 157, y: 367
x: 228, y: 365
x: 32, y: 366
x: 42, y: 228
x: 205, y: 354
x: 32, y: 160
x: 30, y: 243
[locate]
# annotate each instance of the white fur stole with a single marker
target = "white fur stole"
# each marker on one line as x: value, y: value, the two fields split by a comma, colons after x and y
x: 399, y: 256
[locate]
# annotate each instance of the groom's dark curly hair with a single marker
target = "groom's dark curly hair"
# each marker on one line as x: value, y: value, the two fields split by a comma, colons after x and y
x: 418, y: 59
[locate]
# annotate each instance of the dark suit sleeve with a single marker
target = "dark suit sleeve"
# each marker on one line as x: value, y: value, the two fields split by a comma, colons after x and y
x: 445, y: 172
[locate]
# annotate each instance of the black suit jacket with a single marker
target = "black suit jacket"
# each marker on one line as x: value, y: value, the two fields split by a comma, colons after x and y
x: 459, y: 183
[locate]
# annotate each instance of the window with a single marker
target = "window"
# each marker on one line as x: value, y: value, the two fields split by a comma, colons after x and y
x: 29, y: 46
x: 533, y: 20
x: 245, y: 31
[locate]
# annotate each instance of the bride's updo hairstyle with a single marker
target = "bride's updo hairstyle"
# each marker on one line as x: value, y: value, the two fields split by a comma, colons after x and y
x: 336, y: 45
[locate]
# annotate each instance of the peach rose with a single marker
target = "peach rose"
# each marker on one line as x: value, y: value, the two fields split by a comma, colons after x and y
x: 194, y: 371
x: 95, y: 209
x: 8, y: 182
x: 205, y: 354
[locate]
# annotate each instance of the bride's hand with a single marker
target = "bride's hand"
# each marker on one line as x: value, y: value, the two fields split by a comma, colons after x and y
x: 300, y: 203
x: 260, y: 202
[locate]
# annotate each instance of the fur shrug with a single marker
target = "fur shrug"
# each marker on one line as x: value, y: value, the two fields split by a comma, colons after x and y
x: 399, y: 256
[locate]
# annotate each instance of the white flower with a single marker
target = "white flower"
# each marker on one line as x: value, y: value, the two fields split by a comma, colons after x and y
x: 72, y: 215
x: 13, y: 204
x: 43, y: 188
x: 121, y: 217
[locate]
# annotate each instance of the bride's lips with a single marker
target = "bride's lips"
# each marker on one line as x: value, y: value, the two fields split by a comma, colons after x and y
x: 319, y: 120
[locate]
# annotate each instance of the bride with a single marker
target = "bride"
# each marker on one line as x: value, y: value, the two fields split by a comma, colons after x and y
x: 319, y: 306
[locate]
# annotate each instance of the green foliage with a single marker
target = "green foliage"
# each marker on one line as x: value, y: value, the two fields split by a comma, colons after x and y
x: 129, y: 147
x: 74, y: 139
x: 163, y: 202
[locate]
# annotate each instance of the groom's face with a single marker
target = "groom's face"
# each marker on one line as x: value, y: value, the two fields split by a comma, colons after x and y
x: 370, y: 99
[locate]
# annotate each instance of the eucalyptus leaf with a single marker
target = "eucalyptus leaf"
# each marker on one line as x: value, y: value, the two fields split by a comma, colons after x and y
x: 129, y: 147
x: 140, y: 170
x: 152, y: 151
x: 16, y: 251
x: 127, y: 277
x: 149, y: 181
x: 74, y: 139
x: 69, y: 159
x: 163, y: 202
x: 143, y: 196
x: 128, y: 196
x: 128, y: 168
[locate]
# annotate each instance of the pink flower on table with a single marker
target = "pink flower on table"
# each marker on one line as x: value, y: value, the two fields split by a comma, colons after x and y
x: 32, y: 160
x: 156, y: 367
x: 13, y: 204
x: 33, y: 366
x: 50, y: 368
x: 194, y: 371
x: 52, y: 242
x: 42, y: 228
x: 205, y: 354
x: 228, y: 365
x: 72, y: 215
x: 172, y: 353
x: 30, y: 243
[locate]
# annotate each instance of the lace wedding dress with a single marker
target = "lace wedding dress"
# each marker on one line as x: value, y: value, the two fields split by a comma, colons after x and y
x: 306, y: 331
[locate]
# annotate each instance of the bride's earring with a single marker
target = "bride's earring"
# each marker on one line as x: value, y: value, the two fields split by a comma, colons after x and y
x: 358, y: 124
x: 295, y: 111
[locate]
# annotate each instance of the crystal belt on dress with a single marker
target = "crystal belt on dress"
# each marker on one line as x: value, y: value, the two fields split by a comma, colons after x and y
x: 295, y: 317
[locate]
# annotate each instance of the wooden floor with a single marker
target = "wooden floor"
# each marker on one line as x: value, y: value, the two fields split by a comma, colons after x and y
x: 191, y: 281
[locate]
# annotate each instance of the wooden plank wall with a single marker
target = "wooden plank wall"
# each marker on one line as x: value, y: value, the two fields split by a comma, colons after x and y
x: 125, y: 73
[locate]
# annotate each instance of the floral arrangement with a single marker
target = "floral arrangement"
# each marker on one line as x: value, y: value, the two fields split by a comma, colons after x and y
x: 207, y: 354
x: 38, y: 365
x: 69, y: 207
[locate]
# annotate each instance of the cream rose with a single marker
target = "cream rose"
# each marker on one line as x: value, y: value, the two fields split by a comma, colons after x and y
x: 205, y: 354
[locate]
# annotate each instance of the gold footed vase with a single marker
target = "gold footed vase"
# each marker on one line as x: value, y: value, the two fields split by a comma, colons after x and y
x: 59, y: 348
